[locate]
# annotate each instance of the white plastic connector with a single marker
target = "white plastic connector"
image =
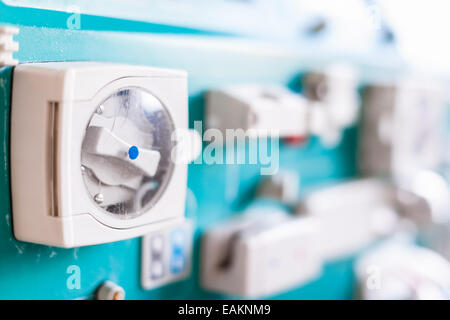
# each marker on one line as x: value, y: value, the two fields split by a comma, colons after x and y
x: 283, y: 186
x: 8, y: 46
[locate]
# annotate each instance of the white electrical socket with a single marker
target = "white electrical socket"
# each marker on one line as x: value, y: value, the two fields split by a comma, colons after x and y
x: 351, y: 215
x: 403, y: 128
x: 8, y: 46
x: 262, y: 110
x: 91, y: 151
x: 260, y: 255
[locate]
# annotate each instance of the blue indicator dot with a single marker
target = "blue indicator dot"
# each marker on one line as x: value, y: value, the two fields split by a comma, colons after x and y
x: 133, y: 152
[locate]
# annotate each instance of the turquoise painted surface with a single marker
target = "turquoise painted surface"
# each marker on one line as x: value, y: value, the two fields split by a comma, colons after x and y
x: 29, y: 271
x: 54, y: 19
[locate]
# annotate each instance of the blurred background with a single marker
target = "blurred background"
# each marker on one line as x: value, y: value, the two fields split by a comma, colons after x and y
x: 358, y: 94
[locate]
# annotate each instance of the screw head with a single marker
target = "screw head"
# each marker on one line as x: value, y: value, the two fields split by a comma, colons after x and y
x: 100, y: 109
x: 99, y: 198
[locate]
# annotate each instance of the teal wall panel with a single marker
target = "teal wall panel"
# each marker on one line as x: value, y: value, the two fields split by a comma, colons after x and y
x: 29, y: 271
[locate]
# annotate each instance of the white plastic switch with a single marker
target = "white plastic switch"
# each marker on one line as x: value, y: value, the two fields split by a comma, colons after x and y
x: 262, y: 110
x: 102, y: 141
x: 260, y: 255
x: 166, y: 255
x: 330, y: 105
x: 91, y: 151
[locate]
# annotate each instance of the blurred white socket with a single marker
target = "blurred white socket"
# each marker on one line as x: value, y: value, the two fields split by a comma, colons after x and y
x: 403, y: 271
x: 260, y: 256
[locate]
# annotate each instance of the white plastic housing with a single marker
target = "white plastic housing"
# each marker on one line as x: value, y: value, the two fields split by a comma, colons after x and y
x: 351, y: 215
x: 403, y: 128
x: 52, y: 104
x: 333, y: 101
x: 264, y: 256
x: 263, y: 110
